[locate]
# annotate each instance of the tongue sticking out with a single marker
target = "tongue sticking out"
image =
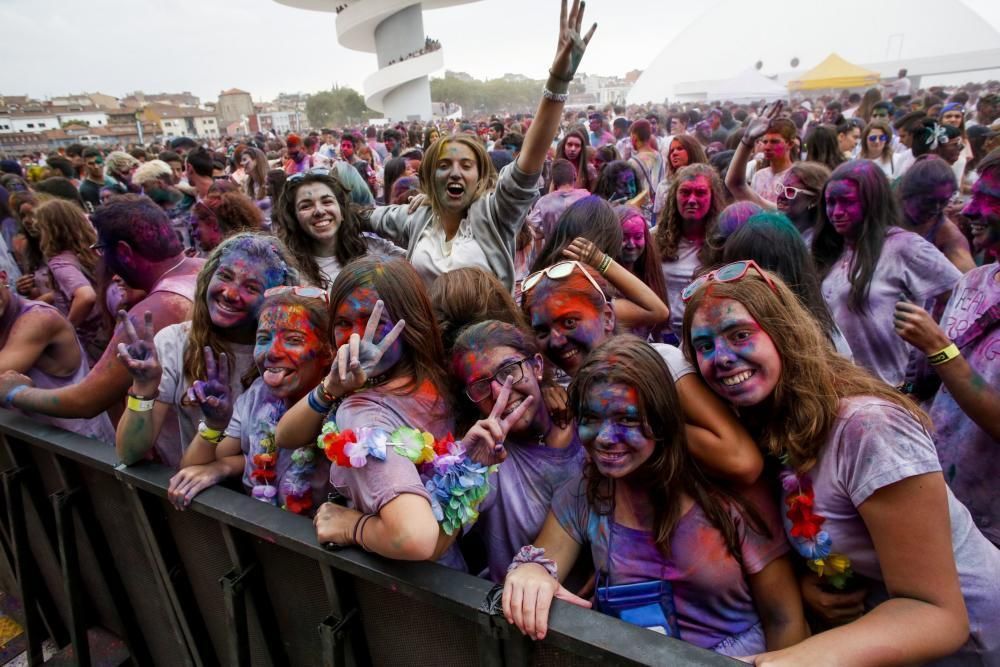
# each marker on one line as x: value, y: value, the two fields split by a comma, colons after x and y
x: 273, y: 377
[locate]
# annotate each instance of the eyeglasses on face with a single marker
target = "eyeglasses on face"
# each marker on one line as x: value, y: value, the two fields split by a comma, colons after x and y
x: 789, y: 192
x: 730, y: 273
x: 877, y: 138
x: 481, y: 389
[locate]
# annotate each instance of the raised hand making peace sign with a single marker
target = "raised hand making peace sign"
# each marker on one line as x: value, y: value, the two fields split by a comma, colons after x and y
x: 484, y: 441
x: 139, y: 355
x: 214, y: 394
x: 361, y: 358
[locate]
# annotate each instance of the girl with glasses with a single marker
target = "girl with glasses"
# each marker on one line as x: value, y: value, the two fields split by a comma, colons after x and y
x: 886, y: 549
x: 501, y: 369
x: 876, y: 145
x: 570, y: 309
x: 709, y: 564
x: 167, y: 406
x: 867, y: 264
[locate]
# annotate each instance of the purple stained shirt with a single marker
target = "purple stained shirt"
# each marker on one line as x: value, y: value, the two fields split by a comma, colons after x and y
x: 371, y: 487
x: 969, y: 456
x: 68, y: 277
x: 512, y: 515
x: 712, y: 597
x: 908, y: 266
x: 545, y: 213
x: 255, y: 416
x: 874, y: 444
x: 678, y: 274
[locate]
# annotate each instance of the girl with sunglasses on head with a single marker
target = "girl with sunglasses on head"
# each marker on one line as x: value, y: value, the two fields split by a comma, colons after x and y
x: 696, y: 561
x: 472, y: 216
x: 868, y: 264
x: 376, y: 413
x: 570, y: 309
x: 500, y: 369
x: 318, y: 221
x: 291, y: 355
x: 166, y: 405
x: 887, y: 550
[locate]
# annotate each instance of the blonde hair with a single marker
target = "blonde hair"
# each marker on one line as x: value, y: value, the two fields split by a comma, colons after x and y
x: 487, y: 173
x: 151, y: 171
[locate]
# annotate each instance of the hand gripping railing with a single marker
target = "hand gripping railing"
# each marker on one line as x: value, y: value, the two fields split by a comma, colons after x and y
x: 92, y: 546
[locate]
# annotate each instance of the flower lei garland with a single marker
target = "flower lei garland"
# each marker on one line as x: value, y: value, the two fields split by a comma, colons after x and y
x: 805, y: 531
x: 456, y: 483
x: 295, y: 484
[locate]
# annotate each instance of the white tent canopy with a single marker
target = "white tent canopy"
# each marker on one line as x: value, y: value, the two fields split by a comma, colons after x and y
x: 747, y: 86
x: 722, y: 40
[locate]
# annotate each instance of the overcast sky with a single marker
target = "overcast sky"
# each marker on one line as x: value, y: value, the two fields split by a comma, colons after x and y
x: 54, y: 47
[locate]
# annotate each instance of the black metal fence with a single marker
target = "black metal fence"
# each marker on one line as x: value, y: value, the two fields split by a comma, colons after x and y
x: 88, y: 544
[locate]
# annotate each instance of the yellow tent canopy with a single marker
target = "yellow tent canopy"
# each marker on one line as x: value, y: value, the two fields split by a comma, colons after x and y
x: 834, y: 72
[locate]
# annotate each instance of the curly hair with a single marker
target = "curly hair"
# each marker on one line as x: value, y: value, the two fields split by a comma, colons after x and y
x: 671, y: 471
x: 671, y: 225
x: 281, y: 269
x: 814, y: 377
x: 61, y: 226
x: 232, y: 212
x: 350, y: 244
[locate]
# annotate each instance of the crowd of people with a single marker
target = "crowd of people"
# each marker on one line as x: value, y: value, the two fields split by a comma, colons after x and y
x: 429, y: 46
x: 727, y: 372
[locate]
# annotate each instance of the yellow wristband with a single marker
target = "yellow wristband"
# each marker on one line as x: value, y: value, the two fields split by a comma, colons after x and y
x: 212, y: 435
x: 945, y: 355
x: 139, y: 404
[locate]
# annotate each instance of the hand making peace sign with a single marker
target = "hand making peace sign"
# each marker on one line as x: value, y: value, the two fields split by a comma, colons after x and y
x: 214, y: 394
x: 484, y: 441
x: 139, y: 355
x: 360, y: 357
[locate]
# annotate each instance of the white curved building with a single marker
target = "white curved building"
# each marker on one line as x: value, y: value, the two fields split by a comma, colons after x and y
x: 391, y: 29
x: 928, y: 37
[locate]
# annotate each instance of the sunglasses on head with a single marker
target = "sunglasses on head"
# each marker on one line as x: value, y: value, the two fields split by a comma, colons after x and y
x: 306, y: 292
x: 730, y: 273
x: 560, y: 271
x: 319, y: 171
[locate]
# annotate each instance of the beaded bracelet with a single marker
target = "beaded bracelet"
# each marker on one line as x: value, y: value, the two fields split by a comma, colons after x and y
x: 555, y: 97
x: 533, y: 554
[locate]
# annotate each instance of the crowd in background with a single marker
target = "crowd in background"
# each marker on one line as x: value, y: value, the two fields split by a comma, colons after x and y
x: 726, y: 371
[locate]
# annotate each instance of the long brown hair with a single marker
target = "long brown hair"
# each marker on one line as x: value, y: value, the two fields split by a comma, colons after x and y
x: 695, y: 151
x: 462, y: 297
x: 350, y: 244
x: 582, y: 173
x: 282, y: 270
x: 402, y: 291
x: 671, y: 470
x: 61, y: 226
x: 814, y: 378
x: 669, y: 229
x: 256, y: 183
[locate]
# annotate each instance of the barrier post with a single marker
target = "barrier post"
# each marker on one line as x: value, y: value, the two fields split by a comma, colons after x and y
x: 69, y: 560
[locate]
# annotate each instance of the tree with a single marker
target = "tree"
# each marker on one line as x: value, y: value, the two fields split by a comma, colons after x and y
x: 337, y: 107
x: 504, y: 95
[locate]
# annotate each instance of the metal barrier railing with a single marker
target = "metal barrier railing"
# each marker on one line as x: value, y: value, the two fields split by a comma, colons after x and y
x: 88, y: 544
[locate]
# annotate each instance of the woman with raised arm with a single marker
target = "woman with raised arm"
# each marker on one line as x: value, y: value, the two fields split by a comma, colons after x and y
x: 888, y: 554
x: 167, y: 368
x: 465, y: 220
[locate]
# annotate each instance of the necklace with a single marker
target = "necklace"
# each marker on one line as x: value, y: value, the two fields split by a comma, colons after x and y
x: 172, y: 267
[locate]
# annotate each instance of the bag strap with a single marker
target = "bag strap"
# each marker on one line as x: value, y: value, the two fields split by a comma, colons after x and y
x: 983, y: 324
x: 645, y: 174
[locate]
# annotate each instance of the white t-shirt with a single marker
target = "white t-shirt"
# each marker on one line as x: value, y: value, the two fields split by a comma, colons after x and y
x: 433, y: 255
x: 330, y: 266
